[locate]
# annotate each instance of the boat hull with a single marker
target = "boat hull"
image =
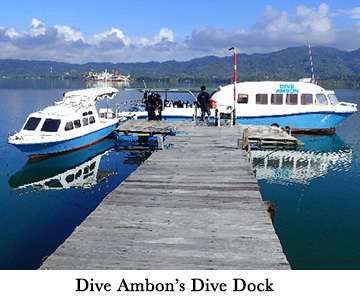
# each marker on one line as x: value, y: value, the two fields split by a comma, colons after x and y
x: 310, y: 121
x: 43, y: 149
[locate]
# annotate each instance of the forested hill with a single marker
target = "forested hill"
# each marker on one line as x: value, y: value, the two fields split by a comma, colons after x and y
x: 336, y: 67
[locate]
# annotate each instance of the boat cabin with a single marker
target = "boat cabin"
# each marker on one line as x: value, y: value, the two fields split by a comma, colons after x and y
x: 275, y: 94
x: 64, y: 120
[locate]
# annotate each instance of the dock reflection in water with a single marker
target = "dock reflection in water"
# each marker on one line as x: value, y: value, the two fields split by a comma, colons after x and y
x: 286, y: 167
x: 316, y: 201
x: 48, y: 198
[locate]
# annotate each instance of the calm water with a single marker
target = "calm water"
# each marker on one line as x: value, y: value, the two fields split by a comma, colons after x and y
x: 315, y: 191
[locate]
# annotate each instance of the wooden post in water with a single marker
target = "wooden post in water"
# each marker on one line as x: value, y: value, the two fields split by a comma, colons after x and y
x: 160, y: 142
x: 245, y: 140
x: 270, y: 208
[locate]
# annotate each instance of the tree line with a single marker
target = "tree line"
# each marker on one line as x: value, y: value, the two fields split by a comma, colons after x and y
x: 333, y: 67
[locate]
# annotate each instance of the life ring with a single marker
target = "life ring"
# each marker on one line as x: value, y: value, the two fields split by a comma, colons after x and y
x: 212, y: 104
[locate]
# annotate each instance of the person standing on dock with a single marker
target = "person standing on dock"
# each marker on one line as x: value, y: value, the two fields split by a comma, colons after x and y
x: 150, y: 106
x: 204, y: 100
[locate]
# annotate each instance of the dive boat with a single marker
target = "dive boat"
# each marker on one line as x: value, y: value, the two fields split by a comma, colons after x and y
x: 108, y: 77
x: 300, y: 105
x: 69, y: 124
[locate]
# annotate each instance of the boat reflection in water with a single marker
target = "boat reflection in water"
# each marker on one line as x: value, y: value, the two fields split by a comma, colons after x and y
x: 321, y: 153
x: 52, y: 196
x: 78, y: 169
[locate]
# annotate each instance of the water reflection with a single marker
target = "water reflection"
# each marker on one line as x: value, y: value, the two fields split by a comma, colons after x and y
x: 79, y: 169
x: 116, y: 84
x: 319, y: 155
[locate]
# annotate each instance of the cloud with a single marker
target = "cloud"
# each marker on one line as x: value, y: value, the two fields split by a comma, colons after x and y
x: 68, y: 34
x: 37, y: 28
x: 64, y: 43
x: 111, y: 38
x: 273, y: 30
x: 352, y: 13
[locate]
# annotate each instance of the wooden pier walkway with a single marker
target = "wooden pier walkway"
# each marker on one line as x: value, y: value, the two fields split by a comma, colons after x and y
x: 195, y: 205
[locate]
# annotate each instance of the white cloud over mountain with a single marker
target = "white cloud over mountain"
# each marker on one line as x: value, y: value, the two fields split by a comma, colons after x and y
x: 272, y: 31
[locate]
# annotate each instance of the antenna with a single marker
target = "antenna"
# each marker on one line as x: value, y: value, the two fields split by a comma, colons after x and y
x: 144, y: 84
x: 312, y: 79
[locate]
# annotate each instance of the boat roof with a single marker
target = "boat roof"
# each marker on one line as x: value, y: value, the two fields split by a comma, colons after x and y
x: 93, y: 93
x: 275, y: 87
x: 73, y: 101
x: 169, y: 90
x: 62, y: 110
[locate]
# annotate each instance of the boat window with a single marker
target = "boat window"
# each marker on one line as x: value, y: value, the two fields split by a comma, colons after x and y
x: 86, y: 170
x: 262, y: 99
x: 92, y: 120
x: 291, y: 99
x: 85, y: 121
x: 77, y: 123
x: 78, y: 174
x: 321, y: 99
x: 85, y: 114
x: 54, y: 183
x: 70, y: 178
x: 306, y: 99
x: 90, y: 112
x: 51, y: 125
x: 69, y: 126
x: 32, y: 123
x: 242, y: 98
x: 277, y: 99
x: 333, y: 99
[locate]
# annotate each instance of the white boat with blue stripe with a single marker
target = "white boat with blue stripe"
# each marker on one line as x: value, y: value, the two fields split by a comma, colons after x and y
x: 69, y: 124
x: 300, y: 105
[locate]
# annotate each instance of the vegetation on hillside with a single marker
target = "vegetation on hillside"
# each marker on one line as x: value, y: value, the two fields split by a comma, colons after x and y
x: 333, y: 67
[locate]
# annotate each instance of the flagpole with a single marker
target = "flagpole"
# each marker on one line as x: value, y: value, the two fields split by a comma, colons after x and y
x: 235, y: 75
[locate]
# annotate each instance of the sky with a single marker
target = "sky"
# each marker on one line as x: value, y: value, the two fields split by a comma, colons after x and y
x: 79, y: 31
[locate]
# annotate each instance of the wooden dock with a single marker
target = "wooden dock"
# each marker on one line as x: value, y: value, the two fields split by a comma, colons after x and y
x: 195, y: 205
x: 144, y: 132
x: 267, y: 137
x: 147, y: 127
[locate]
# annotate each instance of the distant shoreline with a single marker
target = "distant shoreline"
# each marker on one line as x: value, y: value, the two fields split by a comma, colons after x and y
x: 325, y: 83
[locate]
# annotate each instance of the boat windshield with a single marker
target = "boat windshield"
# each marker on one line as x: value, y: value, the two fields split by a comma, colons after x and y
x: 333, y: 99
x: 320, y: 99
x: 51, y: 125
x: 32, y: 123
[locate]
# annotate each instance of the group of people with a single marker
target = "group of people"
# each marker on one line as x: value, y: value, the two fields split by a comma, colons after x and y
x: 153, y: 104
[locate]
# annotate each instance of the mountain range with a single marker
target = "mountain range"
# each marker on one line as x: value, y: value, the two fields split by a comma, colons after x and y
x: 332, y: 66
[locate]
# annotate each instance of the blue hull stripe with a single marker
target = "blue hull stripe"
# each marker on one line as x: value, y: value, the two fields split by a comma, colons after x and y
x: 67, y: 145
x: 302, y: 120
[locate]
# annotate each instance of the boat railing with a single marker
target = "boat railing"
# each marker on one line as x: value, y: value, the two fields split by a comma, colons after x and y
x: 46, y: 136
x: 14, y: 135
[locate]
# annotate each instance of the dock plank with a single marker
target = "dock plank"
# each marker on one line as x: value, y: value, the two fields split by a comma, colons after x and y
x: 196, y: 205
